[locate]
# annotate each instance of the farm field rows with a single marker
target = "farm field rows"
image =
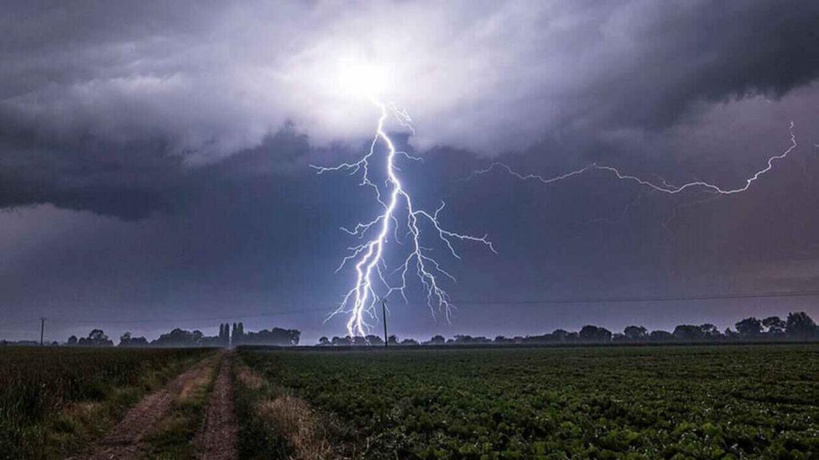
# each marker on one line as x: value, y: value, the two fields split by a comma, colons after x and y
x: 607, y: 402
x: 54, y: 402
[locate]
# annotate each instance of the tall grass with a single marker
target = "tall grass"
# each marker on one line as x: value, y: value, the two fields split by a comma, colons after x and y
x: 38, y: 384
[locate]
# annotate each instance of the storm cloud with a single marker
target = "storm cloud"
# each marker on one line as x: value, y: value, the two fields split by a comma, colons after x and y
x: 187, y: 129
x: 203, y: 80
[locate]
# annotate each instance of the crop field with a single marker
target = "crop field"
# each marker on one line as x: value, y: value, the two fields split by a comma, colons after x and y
x: 607, y: 402
x: 55, y: 401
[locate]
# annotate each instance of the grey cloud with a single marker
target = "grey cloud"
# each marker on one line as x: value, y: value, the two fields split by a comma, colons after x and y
x: 102, y: 97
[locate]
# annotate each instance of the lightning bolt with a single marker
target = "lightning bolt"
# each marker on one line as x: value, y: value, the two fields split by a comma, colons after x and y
x: 371, y: 269
x: 664, y: 187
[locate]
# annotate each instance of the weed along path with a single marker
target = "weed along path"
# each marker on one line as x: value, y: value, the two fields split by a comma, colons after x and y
x: 169, y: 422
x: 219, y: 439
x: 124, y: 441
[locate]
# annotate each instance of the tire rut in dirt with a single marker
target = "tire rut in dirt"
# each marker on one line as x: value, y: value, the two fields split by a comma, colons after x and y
x: 220, y: 438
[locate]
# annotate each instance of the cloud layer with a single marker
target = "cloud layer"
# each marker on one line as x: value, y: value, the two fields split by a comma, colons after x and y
x: 193, y: 123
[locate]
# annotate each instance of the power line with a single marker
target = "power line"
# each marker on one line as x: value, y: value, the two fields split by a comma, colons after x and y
x: 757, y: 295
x: 201, y: 319
x: 527, y: 302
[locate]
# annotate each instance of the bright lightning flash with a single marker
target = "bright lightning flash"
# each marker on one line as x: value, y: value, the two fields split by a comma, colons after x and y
x: 372, y: 274
x: 664, y: 187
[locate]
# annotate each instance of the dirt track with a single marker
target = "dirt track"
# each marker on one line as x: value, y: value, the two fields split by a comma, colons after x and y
x: 218, y: 441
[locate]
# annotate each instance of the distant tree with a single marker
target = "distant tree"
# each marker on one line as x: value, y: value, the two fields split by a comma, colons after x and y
x: 360, y: 341
x: 224, y: 334
x: 409, y: 342
x: 749, y: 328
x: 800, y: 326
x: 72, y: 340
x: 324, y: 341
x: 393, y: 340
x: 502, y: 339
x: 341, y: 341
x: 730, y: 335
x: 660, y: 336
x: 688, y: 333
x: 125, y: 339
x: 591, y: 333
x: 618, y: 337
x: 775, y: 326
x: 96, y: 338
x: 275, y: 336
x: 139, y: 342
x: 437, y: 340
x: 374, y: 340
x: 179, y: 338
x: 560, y: 335
x: 709, y: 331
x: 635, y: 333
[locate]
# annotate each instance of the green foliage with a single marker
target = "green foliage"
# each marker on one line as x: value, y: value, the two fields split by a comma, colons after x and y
x: 173, y: 437
x: 38, y: 385
x: 635, y: 402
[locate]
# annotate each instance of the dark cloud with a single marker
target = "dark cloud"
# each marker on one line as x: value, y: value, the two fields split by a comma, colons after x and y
x: 186, y: 129
x: 694, y: 52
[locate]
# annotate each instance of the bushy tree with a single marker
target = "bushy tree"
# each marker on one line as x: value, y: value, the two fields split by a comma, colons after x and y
x: 800, y: 326
x: 437, y: 340
x: 635, y: 333
x: 660, y: 336
x: 775, y: 326
x: 591, y: 333
x: 688, y: 333
x: 749, y: 328
x: 96, y: 338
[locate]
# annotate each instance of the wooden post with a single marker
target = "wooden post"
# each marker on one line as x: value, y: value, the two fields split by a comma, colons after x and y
x: 384, y: 316
x: 42, y: 329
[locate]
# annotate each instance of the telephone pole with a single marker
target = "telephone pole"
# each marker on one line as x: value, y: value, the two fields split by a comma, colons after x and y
x: 384, y: 316
x: 42, y: 329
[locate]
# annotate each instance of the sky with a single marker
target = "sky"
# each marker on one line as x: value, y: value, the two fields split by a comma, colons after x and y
x: 155, y: 160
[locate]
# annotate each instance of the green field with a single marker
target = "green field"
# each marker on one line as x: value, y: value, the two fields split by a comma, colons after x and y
x: 55, y: 401
x: 606, y: 402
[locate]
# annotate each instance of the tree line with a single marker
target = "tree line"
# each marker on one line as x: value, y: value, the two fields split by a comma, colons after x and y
x: 229, y: 336
x: 797, y: 326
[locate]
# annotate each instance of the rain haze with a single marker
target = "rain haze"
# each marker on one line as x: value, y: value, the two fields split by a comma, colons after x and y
x: 155, y: 161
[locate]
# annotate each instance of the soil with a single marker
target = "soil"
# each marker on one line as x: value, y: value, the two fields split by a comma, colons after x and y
x: 219, y: 439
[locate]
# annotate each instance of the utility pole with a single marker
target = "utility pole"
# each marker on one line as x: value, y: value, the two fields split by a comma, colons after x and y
x: 42, y: 329
x: 384, y: 316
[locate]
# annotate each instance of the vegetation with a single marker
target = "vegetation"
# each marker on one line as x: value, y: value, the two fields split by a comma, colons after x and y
x: 174, y: 435
x: 799, y: 327
x: 54, y: 401
x: 181, y: 338
x: 733, y: 401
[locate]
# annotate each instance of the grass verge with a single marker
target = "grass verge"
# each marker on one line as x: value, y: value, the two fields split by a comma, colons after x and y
x: 274, y: 424
x: 55, y: 403
x: 174, y: 435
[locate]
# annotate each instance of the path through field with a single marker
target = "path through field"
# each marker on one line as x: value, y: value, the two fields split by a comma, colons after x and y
x: 217, y: 441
